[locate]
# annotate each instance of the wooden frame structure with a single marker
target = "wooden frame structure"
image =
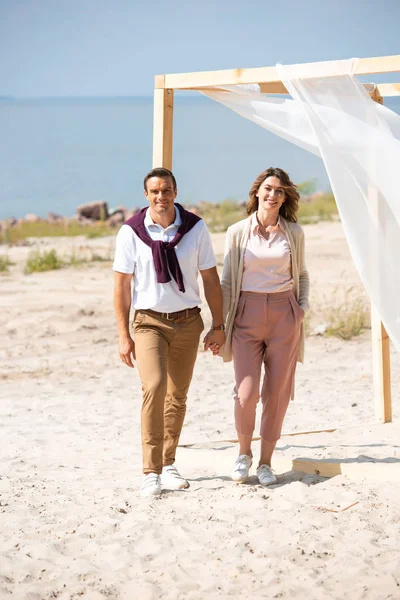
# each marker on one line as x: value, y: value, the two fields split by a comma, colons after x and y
x: 270, y: 83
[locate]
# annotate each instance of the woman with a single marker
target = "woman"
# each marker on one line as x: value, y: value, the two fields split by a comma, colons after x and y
x: 265, y: 286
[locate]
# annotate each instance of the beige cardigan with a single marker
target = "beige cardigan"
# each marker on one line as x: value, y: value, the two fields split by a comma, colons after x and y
x: 236, y: 241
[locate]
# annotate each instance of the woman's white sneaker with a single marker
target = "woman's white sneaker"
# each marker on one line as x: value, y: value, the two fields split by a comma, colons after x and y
x: 171, y: 479
x: 241, y: 468
x: 151, y: 485
x: 265, y: 475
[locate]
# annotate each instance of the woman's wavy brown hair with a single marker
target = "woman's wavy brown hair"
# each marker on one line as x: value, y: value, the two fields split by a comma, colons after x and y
x: 289, y: 208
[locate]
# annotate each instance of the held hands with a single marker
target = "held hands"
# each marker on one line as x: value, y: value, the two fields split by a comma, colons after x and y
x: 214, y: 340
x: 126, y: 348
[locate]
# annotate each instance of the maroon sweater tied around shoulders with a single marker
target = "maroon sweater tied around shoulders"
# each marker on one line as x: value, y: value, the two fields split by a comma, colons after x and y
x: 164, y: 255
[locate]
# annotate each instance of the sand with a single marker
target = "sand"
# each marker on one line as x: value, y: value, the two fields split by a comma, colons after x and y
x: 71, y: 520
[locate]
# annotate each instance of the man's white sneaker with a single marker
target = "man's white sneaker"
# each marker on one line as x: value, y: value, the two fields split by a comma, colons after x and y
x: 151, y: 485
x: 241, y: 468
x: 171, y: 479
x: 265, y: 475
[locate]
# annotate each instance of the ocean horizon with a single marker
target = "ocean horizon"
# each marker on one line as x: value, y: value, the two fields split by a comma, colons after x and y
x: 59, y: 152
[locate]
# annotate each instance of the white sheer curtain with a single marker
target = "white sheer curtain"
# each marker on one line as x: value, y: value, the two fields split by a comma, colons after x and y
x: 331, y: 115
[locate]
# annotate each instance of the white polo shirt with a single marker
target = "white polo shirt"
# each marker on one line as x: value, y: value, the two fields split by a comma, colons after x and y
x: 194, y: 253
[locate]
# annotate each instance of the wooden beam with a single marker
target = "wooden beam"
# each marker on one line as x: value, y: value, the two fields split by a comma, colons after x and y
x: 379, y: 64
x: 380, y: 338
x: 383, y: 89
x: 162, y: 127
x: 229, y: 77
x: 376, y: 96
x: 378, y: 471
x: 365, y: 66
x: 389, y: 89
x: 273, y: 88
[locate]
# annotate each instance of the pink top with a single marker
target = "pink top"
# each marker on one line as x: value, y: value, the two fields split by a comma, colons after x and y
x: 267, y: 263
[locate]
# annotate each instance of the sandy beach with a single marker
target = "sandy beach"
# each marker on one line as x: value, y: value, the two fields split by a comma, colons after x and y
x: 71, y: 520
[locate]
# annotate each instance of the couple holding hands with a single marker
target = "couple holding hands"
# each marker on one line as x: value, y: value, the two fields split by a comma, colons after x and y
x: 257, y: 316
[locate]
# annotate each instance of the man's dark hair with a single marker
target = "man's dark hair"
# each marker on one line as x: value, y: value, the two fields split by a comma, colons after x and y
x: 159, y: 172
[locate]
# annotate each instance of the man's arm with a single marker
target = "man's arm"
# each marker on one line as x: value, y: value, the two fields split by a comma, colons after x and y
x: 122, y: 305
x: 214, y: 340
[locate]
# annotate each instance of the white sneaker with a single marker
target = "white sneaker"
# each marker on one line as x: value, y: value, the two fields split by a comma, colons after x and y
x: 241, y: 468
x: 265, y: 475
x: 151, y: 485
x: 171, y: 479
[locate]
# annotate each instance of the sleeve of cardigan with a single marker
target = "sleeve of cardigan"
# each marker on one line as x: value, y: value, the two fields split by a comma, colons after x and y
x: 226, y: 278
x: 304, y: 280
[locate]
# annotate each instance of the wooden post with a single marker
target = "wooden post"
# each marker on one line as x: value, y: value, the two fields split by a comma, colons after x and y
x: 380, y: 345
x: 381, y: 369
x: 162, y: 128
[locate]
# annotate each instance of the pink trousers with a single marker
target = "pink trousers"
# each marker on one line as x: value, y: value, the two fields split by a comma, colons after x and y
x: 266, y: 331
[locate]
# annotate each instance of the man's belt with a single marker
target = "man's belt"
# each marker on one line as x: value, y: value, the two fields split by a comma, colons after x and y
x: 173, y: 316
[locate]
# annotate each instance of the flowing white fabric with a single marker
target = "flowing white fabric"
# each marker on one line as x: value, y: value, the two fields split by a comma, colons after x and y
x: 333, y: 116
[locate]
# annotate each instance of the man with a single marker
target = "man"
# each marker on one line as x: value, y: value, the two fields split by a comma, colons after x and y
x: 162, y: 248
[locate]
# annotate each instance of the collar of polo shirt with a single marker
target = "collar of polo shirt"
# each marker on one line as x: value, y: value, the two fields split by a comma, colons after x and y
x: 255, y: 225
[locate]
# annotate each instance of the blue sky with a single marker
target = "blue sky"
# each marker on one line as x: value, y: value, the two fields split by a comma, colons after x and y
x: 115, y: 47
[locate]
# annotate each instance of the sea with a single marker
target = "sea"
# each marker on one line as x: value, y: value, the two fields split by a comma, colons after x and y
x: 58, y: 153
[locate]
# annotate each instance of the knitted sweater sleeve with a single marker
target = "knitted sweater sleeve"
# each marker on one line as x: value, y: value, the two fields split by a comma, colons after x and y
x: 304, y: 279
x: 226, y: 278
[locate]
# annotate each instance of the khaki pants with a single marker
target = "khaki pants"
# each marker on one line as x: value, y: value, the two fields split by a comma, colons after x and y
x: 165, y: 355
x: 266, y: 332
